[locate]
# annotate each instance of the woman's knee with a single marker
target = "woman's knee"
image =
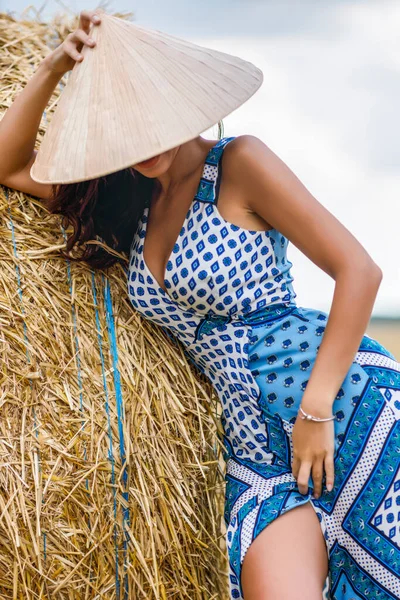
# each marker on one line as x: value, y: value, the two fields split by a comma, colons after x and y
x: 288, y: 559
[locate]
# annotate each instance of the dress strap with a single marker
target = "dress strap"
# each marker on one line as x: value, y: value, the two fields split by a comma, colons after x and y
x: 208, y: 189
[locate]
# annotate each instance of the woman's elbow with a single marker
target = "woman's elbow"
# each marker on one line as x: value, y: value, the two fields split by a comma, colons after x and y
x: 364, y: 270
x: 371, y: 272
x: 378, y: 272
x: 378, y: 275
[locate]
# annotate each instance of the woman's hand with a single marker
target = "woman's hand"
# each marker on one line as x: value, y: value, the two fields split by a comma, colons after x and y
x: 313, y: 450
x: 63, y: 58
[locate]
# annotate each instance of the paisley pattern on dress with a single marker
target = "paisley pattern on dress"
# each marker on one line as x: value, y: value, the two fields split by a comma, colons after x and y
x: 231, y: 303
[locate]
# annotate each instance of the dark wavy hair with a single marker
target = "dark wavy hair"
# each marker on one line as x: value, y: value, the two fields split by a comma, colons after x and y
x: 104, y: 213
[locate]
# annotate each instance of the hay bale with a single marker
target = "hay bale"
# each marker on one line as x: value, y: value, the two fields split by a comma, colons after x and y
x: 112, y: 478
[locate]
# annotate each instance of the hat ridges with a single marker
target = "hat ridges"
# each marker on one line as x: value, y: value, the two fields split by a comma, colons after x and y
x: 137, y: 93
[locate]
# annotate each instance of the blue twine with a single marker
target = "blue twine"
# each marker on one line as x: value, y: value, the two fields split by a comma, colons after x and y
x: 120, y: 414
x: 110, y: 452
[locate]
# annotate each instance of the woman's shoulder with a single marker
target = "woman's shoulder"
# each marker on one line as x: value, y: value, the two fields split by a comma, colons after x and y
x: 242, y: 145
x: 233, y: 198
x: 241, y: 154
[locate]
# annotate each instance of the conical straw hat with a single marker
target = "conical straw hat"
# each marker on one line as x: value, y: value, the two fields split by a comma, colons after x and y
x: 137, y: 93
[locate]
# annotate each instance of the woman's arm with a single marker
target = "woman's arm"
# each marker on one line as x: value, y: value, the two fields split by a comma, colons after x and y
x: 275, y: 193
x: 20, y: 123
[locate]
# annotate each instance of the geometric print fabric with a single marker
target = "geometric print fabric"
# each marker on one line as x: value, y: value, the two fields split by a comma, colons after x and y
x: 231, y: 304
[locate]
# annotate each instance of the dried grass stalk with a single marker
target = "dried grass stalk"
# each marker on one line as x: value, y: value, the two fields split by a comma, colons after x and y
x: 111, y: 468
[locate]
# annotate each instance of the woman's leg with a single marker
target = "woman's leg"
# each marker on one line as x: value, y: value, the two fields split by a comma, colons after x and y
x: 287, y: 560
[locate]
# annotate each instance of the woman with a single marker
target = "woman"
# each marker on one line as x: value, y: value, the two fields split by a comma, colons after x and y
x: 215, y: 273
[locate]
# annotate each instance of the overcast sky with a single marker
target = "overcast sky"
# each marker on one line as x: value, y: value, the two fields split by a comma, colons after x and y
x: 326, y: 106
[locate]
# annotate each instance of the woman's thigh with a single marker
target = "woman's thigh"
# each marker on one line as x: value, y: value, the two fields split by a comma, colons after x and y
x: 287, y: 560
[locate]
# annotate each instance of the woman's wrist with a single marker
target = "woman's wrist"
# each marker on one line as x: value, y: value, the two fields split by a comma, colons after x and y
x: 312, y: 417
x: 318, y: 407
x: 46, y: 66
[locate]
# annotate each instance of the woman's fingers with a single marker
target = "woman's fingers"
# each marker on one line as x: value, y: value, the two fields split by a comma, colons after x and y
x: 295, y: 466
x: 74, y: 42
x: 302, y: 470
x: 86, y: 17
x: 303, y: 477
x: 70, y: 49
x: 63, y: 58
x: 80, y: 36
x: 329, y: 472
x: 313, y: 453
x: 317, y: 473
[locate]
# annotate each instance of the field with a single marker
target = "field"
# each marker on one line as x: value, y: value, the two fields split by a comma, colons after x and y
x: 387, y: 332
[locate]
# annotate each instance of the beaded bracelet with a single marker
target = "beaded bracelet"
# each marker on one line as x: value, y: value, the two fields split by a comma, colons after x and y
x: 309, y: 417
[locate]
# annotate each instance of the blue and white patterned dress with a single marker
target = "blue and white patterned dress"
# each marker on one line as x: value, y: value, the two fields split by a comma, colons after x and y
x: 230, y: 301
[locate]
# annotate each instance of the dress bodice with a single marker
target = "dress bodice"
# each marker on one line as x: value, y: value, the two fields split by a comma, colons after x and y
x: 215, y: 267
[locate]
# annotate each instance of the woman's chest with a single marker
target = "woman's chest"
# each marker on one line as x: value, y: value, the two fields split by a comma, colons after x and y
x: 214, y: 265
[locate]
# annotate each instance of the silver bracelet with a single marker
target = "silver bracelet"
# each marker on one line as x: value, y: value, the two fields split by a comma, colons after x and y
x: 309, y: 417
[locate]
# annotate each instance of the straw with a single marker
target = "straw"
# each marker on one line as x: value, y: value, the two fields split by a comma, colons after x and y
x: 111, y: 476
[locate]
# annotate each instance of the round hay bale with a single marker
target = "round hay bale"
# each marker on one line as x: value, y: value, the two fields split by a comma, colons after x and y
x: 112, y: 477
